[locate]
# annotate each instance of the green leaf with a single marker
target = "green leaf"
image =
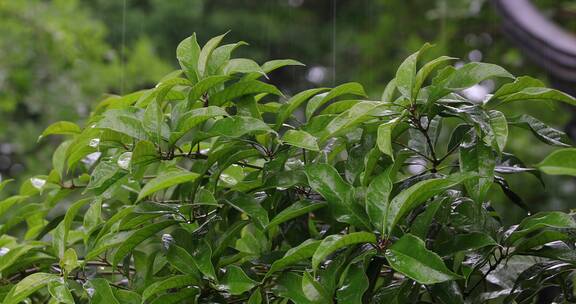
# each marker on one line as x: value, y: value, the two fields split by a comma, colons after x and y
x: 350, y: 88
x: 313, y: 290
x: 203, y: 259
x: 60, y: 234
x: 559, y: 162
x: 295, y: 255
x: 384, y: 140
x: 15, y: 253
x: 337, y: 241
x: 69, y: 261
x: 183, y: 261
x: 301, y: 139
x: 102, y: 292
x: 295, y: 210
x: 242, y: 88
x: 289, y: 285
x: 138, y: 237
x: 293, y: 103
x: 60, y: 292
x: 193, y: 118
x: 206, y: 84
x: 125, y: 121
x: 378, y: 198
x: 410, y: 257
x: 8, y: 203
x: 418, y: 194
x: 249, y: 205
x: 468, y: 241
x: 359, y: 113
x: 235, y: 281
x: 28, y: 286
x: 167, y: 178
x: 205, y: 53
x: 153, y: 122
x: 256, y: 297
x: 426, y: 70
x: 354, y: 284
x: 325, y: 180
x: 242, y: 65
x: 541, y: 220
x: 144, y: 154
x: 406, y: 74
x: 479, y: 159
x: 272, y: 65
x: 465, y: 77
x: 61, y: 127
x: 187, y: 53
x: 177, y: 281
x: 389, y: 90
x: 237, y: 126
x: 519, y: 84
x: 187, y: 294
x: 536, y: 94
x: 499, y: 128
x: 543, y: 132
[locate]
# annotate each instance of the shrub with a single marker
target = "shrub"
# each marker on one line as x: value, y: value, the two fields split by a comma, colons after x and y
x: 213, y: 187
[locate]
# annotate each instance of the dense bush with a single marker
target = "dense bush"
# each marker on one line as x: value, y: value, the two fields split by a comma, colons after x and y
x: 213, y: 187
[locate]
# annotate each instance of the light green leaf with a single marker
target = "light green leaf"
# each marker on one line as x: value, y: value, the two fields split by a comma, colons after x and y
x: 389, y: 90
x: 177, y: 281
x: 60, y: 292
x: 410, y: 257
x: 536, y: 94
x: 426, y: 70
x: 102, y: 292
x: 187, y: 53
x: 559, y: 162
x: 203, y: 259
x: 237, y: 126
x: 204, y: 85
x: 144, y: 154
x: 125, y: 121
x: 295, y: 210
x: 242, y: 65
x: 350, y: 88
x: 69, y: 261
x: 468, y: 75
x: 193, y: 118
x: 359, y: 113
x: 541, y: 220
x: 60, y: 234
x: 28, y: 286
x: 138, y: 237
x: 337, y: 241
x: 235, y: 281
x: 418, y: 194
x: 187, y: 294
x: 167, y: 178
x: 313, y: 290
x: 378, y: 198
x: 293, y: 103
x: 406, y: 73
x: 384, y: 139
x: 519, y: 84
x: 153, y: 122
x: 205, y: 53
x: 301, y: 139
x: 61, y: 127
x: 295, y: 255
x: 242, y: 88
x: 499, y: 128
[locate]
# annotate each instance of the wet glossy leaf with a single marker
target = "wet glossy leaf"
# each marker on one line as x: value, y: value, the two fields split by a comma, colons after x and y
x: 332, y: 243
x: 410, y: 257
x: 301, y: 139
x: 167, y: 179
x: 295, y: 210
x: 559, y: 162
x: 236, y: 281
x: 28, y: 286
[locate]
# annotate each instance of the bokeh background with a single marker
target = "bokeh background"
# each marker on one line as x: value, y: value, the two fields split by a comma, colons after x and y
x: 59, y: 57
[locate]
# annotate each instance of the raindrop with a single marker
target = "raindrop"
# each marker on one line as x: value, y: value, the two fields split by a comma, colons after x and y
x: 94, y: 142
x: 316, y: 74
x: 167, y: 241
x: 91, y: 158
x: 4, y: 251
x: 228, y: 179
x: 38, y: 183
x: 124, y: 160
x: 475, y: 55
